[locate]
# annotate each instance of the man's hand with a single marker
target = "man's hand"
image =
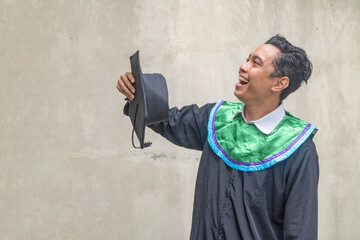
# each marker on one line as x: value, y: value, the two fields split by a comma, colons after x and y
x: 125, y: 85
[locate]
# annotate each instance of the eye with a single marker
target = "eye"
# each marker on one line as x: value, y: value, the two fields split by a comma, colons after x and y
x: 257, y: 62
x: 247, y: 59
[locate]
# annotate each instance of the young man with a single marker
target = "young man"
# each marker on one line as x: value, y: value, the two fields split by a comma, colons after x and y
x: 258, y: 173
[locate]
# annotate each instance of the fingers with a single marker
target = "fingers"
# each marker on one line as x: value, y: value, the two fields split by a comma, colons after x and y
x: 124, y: 85
x: 130, y: 76
x: 129, y: 81
x: 124, y: 90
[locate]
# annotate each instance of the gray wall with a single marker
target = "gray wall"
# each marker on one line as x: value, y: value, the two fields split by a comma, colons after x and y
x: 67, y: 167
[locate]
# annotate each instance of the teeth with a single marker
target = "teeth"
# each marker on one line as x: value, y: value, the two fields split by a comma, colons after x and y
x: 243, y: 79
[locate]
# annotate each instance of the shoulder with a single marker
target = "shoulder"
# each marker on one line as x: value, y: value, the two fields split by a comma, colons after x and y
x: 304, y: 159
x: 225, y: 109
x: 306, y: 150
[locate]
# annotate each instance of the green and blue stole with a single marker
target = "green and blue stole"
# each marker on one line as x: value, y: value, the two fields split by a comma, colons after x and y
x: 244, y: 147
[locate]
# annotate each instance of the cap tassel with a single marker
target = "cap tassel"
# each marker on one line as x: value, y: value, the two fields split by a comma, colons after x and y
x: 146, y: 144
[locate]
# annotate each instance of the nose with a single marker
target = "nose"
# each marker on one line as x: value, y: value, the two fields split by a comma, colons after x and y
x: 245, y: 67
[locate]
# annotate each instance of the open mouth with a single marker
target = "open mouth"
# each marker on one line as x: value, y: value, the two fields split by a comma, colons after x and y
x: 243, y: 81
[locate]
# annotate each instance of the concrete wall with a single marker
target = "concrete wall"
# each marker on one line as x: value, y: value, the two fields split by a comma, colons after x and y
x: 67, y: 167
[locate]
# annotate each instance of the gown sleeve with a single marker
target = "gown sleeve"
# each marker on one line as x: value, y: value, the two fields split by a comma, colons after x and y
x: 186, y: 127
x: 301, y: 201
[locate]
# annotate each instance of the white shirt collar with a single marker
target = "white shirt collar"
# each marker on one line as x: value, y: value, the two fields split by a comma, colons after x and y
x: 267, y: 123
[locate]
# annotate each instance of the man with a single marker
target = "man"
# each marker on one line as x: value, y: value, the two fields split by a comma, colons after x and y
x: 258, y: 173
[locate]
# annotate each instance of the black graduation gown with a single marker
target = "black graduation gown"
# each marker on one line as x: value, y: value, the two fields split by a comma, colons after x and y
x: 277, y: 203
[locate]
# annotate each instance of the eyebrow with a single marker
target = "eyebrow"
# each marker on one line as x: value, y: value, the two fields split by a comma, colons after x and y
x: 257, y: 57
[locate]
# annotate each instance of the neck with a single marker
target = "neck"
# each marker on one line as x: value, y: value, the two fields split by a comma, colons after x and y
x: 254, y: 112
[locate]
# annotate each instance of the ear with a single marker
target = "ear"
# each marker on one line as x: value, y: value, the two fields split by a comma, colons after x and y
x: 280, y: 84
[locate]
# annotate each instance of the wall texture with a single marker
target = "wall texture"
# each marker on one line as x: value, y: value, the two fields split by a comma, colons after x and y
x: 67, y: 167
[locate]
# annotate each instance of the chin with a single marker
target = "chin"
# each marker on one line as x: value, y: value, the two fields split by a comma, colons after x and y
x: 238, y: 96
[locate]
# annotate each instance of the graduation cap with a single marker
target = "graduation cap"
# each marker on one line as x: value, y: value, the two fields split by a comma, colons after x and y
x: 150, y: 104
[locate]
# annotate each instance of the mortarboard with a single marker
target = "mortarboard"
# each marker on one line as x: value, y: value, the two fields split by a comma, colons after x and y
x: 150, y: 104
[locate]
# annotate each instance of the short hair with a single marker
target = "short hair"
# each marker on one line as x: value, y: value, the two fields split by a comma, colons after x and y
x: 292, y: 62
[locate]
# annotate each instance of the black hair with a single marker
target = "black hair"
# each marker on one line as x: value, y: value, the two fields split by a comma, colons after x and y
x: 292, y: 62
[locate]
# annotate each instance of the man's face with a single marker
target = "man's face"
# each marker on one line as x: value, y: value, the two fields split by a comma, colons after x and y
x: 255, y: 83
